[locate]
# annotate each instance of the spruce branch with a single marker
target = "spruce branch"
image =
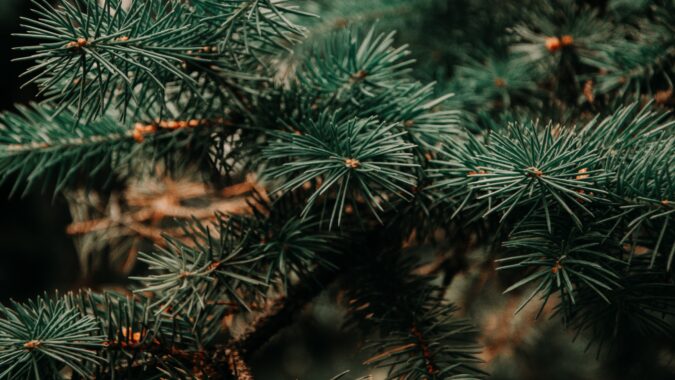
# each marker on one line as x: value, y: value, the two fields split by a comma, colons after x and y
x: 416, y: 335
x: 351, y: 160
x: 624, y: 163
x: 38, y: 148
x: 347, y: 137
x: 249, y: 21
x: 642, y: 62
x: 643, y: 190
x: 496, y: 82
x: 562, y: 261
x: 136, y: 338
x: 637, y: 146
x: 214, y: 267
x: 281, y: 312
x: 442, y: 349
x: 379, y: 88
x: 418, y: 110
x: 95, y: 55
x: 42, y: 336
x: 288, y: 247
x: 91, y: 55
x: 346, y: 68
x: 630, y: 67
x: 641, y: 306
x: 525, y: 168
x: 451, y: 176
x: 561, y: 28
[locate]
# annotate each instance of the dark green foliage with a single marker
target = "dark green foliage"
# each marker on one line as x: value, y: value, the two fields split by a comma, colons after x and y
x: 416, y: 334
x: 530, y: 169
x: 359, y: 157
x: 575, y: 226
x: 346, y: 69
x: 637, y: 148
x: 94, y: 56
x: 96, y: 335
x: 134, y: 332
x: 560, y: 18
x: 642, y: 62
x: 537, y: 140
x: 287, y: 246
x: 635, y: 308
x: 62, y: 150
x: 151, y: 53
x: 498, y: 82
x: 442, y: 347
x: 527, y: 168
x: 562, y: 260
x: 211, y: 266
x: 40, y: 337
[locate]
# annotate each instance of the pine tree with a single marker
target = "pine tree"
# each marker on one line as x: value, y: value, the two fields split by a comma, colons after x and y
x: 271, y: 150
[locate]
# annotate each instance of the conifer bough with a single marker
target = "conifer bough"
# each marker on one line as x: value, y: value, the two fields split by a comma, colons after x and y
x: 554, y: 155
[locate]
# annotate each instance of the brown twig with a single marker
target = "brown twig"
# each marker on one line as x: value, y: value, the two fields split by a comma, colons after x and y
x: 426, y: 352
x: 280, y: 313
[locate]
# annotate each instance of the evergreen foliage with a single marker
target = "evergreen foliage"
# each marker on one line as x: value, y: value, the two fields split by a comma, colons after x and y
x: 545, y: 130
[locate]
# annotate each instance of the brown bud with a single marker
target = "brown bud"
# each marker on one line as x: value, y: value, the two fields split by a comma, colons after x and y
x: 352, y: 163
x: 359, y: 75
x: 662, y: 97
x: 552, y: 44
x: 138, y: 135
x: 532, y: 171
x: 32, y: 344
x: 556, y: 267
x: 588, y: 91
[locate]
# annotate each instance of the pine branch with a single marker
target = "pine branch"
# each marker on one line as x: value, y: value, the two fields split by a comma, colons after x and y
x: 522, y: 168
x: 346, y: 68
x: 560, y: 28
x: 562, y: 261
x: 96, y: 55
x: 496, y: 82
x: 352, y: 159
x: 40, y: 148
x: 642, y: 62
x: 280, y: 313
x: 417, y: 336
x: 616, y: 169
x: 40, y: 337
x: 442, y: 349
x: 288, y: 247
x: 338, y: 123
x: 641, y: 306
x: 214, y: 267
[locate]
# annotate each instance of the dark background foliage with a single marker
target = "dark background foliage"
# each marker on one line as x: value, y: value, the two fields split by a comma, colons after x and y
x: 36, y: 254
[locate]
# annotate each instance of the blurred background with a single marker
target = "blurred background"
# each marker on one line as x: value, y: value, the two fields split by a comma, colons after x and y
x: 37, y: 254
